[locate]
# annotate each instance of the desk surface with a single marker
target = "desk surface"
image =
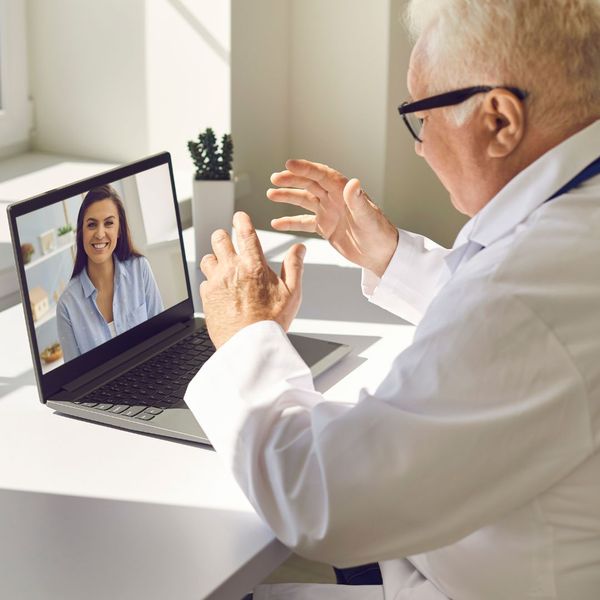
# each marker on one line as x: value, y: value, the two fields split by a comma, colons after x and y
x: 91, y: 511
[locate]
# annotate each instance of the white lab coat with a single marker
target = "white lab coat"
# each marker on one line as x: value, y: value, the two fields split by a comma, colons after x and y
x: 477, y: 456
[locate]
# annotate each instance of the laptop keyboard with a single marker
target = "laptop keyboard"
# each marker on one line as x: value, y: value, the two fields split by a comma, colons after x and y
x: 146, y: 390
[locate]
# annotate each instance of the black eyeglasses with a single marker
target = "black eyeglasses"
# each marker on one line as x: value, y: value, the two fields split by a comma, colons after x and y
x: 415, y: 124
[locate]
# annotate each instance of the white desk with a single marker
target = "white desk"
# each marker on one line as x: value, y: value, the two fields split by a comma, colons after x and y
x: 88, y: 511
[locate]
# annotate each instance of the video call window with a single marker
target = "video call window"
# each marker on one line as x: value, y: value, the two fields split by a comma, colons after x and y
x: 124, y: 233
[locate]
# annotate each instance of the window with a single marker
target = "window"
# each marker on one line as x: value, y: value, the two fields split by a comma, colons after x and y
x: 15, y: 114
x: 1, y: 59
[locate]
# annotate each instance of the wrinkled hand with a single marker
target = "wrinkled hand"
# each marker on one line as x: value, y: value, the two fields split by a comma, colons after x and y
x: 342, y: 213
x: 241, y: 289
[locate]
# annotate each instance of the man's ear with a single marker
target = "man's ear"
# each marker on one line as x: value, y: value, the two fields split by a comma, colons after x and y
x: 504, y: 121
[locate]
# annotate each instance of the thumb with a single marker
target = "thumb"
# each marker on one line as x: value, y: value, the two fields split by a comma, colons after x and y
x: 292, y: 268
x: 355, y: 198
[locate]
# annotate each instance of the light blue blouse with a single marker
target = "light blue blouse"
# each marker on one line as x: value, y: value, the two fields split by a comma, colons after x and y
x: 82, y: 327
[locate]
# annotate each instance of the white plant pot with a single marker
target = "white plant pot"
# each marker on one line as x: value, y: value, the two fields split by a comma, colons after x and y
x: 212, y: 208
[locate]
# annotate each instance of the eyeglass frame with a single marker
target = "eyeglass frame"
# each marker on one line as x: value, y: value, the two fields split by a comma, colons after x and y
x: 451, y: 99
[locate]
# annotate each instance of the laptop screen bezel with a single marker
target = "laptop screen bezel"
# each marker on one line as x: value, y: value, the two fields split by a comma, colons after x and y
x: 50, y: 383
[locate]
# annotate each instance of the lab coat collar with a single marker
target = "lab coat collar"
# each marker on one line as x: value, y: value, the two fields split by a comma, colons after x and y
x: 530, y: 188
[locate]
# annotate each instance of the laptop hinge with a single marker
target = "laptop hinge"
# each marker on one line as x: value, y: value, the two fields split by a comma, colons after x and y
x: 120, y: 363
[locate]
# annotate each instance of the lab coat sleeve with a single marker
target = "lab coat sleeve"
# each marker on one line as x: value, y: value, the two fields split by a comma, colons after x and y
x: 66, y: 335
x: 469, y: 424
x: 410, y: 280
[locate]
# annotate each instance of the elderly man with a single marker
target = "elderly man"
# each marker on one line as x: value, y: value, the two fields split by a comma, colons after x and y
x: 473, y: 472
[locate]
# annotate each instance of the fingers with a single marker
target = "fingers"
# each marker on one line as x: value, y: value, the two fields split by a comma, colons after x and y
x: 247, y: 239
x: 301, y: 198
x: 222, y: 245
x: 208, y: 264
x: 293, y: 267
x: 306, y: 223
x: 287, y: 179
x: 329, y: 179
x: 203, y: 289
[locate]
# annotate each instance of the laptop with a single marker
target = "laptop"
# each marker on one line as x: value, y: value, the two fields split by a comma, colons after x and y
x: 125, y: 364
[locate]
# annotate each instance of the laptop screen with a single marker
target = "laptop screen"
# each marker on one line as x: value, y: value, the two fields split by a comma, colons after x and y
x: 100, y: 262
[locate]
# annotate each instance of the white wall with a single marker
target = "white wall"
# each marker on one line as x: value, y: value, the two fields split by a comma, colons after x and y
x: 188, y: 72
x: 15, y: 110
x: 414, y: 199
x: 118, y: 80
x: 88, y: 78
x: 338, y: 72
x: 260, y: 113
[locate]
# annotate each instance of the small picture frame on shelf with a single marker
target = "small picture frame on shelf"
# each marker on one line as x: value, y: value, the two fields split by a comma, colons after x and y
x: 47, y: 241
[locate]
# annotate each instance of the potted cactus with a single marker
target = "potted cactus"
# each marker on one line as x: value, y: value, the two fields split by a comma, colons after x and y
x: 213, y: 187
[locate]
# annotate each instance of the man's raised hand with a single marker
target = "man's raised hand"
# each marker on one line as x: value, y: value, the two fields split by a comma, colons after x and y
x: 342, y: 213
x: 241, y: 288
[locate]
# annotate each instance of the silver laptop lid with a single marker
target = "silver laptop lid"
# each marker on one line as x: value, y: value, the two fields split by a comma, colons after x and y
x: 62, y: 240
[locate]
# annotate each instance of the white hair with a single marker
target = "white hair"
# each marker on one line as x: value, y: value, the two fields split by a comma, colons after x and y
x: 549, y: 48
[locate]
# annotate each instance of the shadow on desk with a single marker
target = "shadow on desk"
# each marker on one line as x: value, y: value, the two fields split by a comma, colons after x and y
x: 283, y: 247
x: 11, y: 384
x: 358, y: 343
x: 333, y: 293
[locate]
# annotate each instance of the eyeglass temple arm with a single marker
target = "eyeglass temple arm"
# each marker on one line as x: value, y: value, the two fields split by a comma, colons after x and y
x: 456, y: 97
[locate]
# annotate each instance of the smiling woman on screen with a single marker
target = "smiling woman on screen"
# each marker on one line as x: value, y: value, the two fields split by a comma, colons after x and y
x: 112, y: 288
